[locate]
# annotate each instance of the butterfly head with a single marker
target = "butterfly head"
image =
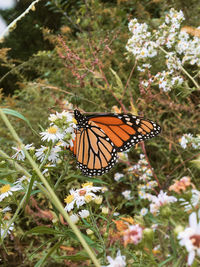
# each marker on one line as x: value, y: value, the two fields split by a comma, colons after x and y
x: 81, y: 119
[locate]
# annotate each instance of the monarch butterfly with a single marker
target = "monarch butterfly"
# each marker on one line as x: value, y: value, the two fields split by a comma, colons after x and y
x: 100, y: 136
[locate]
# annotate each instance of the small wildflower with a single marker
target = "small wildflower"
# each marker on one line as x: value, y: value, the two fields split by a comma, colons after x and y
x: 52, y: 134
x: 181, y: 185
x: 4, y: 227
x: 20, y: 155
x: 118, y: 176
x: 84, y: 214
x: 40, y: 153
x: 194, y: 201
x: 143, y: 211
x: 119, y: 261
x: 54, y: 154
x: 161, y: 200
x: 132, y: 235
x: 127, y: 194
x: 190, y: 237
x: 7, y: 190
x: 81, y: 196
x: 5, y: 209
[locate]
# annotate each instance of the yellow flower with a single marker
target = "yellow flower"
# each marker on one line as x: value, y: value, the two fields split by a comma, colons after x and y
x: 5, y: 188
x: 88, y: 198
x: 89, y: 184
x: 69, y: 199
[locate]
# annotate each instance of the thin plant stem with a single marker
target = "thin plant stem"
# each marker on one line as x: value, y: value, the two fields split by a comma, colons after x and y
x: 53, y: 198
x: 96, y: 227
x: 12, y: 25
x: 24, y: 199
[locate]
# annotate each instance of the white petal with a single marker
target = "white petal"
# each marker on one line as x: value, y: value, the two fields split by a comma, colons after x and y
x: 191, y: 257
x: 193, y: 220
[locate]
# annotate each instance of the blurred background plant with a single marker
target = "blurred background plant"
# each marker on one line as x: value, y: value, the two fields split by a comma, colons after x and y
x: 64, y: 54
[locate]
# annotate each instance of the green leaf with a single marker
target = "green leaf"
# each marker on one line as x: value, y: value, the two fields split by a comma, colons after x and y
x: 80, y: 256
x: 87, y: 179
x: 42, y: 230
x: 18, y: 115
x: 118, y: 80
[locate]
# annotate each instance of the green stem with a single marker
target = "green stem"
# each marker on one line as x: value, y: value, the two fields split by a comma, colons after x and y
x: 181, y: 67
x: 25, y: 198
x: 53, y: 198
x: 96, y: 227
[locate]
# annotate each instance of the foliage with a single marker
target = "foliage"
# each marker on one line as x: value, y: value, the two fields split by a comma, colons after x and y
x: 154, y: 186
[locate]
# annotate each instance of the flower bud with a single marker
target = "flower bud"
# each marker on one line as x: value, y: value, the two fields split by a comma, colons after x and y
x: 105, y: 210
x: 179, y: 228
x: 148, y: 234
x: 165, y: 211
x: 98, y: 200
x: 89, y: 232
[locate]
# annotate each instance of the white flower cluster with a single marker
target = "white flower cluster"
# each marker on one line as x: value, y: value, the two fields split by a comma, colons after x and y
x: 140, y: 44
x: 119, y: 261
x: 60, y: 134
x: 142, y: 171
x: 189, y: 48
x: 158, y: 201
x: 178, y: 46
x: 80, y: 197
x: 189, y: 139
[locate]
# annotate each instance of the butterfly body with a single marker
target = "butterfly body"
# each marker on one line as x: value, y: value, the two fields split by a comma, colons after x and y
x: 100, y: 136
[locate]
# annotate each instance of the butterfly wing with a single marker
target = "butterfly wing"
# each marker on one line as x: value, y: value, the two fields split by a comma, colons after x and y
x: 125, y: 130
x: 95, y: 152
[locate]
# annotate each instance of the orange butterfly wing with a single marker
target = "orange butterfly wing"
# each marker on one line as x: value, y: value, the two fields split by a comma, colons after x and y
x: 100, y: 136
x: 94, y: 151
x: 126, y: 130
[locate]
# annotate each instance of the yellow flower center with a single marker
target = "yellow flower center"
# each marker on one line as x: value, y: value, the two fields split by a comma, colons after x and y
x: 59, y: 143
x: 74, y: 120
x: 5, y: 188
x: 89, y: 184
x: 52, y: 130
x: 69, y: 199
x: 88, y: 198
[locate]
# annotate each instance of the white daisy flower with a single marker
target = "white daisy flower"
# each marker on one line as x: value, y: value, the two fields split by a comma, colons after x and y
x: 190, y: 238
x: 24, y: 181
x: 54, y: 155
x: 119, y: 261
x: 52, y: 134
x: 20, y: 153
x: 160, y: 200
x: 81, y: 196
x: 143, y: 211
x: 127, y: 194
x: 7, y: 190
x: 4, y: 226
x: 118, y: 176
x: 41, y: 153
x: 5, y: 209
